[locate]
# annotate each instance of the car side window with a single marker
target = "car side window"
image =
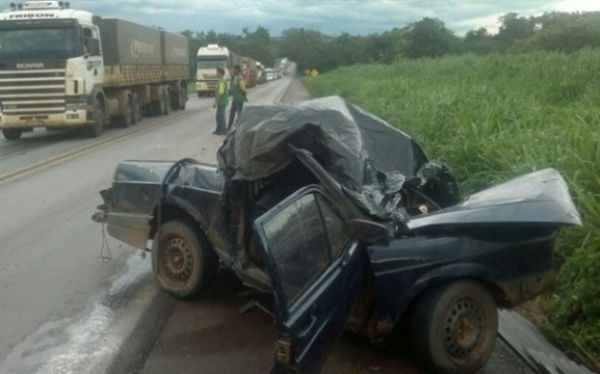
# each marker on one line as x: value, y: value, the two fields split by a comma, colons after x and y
x: 337, y: 233
x: 298, y: 245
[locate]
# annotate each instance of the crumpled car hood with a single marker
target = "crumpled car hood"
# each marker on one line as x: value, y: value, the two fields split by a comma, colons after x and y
x: 539, y: 197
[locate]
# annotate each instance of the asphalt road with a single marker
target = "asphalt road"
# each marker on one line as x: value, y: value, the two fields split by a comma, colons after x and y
x: 63, y: 309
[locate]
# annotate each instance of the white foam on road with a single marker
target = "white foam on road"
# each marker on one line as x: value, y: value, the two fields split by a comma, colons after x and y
x: 80, y: 344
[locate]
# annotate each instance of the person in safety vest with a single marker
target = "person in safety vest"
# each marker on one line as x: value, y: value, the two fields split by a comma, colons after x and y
x: 238, y: 95
x: 221, y: 101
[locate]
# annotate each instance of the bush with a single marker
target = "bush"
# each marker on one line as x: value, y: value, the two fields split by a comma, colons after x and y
x: 495, y: 117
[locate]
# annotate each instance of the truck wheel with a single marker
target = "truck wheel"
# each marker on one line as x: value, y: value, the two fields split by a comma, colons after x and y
x: 126, y: 120
x: 453, y: 327
x: 181, y: 99
x: 166, y: 98
x: 12, y: 134
x: 95, y: 128
x: 200, y: 94
x: 136, y: 116
x: 183, y: 262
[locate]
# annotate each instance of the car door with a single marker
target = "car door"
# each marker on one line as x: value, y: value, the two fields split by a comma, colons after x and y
x: 316, y: 270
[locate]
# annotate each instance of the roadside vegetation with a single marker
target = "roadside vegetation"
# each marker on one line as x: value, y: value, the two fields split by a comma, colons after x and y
x: 491, y: 118
x: 492, y: 106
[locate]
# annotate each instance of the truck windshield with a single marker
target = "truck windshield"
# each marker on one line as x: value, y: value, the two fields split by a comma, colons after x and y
x: 39, y: 43
x: 213, y: 63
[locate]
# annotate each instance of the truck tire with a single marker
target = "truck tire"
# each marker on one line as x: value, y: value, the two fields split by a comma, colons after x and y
x: 158, y: 106
x: 180, y: 99
x: 136, y: 116
x: 12, y: 134
x: 453, y: 327
x: 183, y: 262
x: 95, y: 128
x: 126, y: 120
x: 166, y: 98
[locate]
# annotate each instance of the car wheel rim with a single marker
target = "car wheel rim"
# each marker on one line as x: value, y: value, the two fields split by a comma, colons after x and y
x: 178, y: 260
x: 463, y: 328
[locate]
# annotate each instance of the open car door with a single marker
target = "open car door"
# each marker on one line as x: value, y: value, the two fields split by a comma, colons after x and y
x: 316, y: 270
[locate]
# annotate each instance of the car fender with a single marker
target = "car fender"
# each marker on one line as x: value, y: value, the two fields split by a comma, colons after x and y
x: 180, y: 208
x: 383, y: 325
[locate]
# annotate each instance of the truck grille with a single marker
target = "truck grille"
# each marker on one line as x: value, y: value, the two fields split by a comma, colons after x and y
x: 30, y: 92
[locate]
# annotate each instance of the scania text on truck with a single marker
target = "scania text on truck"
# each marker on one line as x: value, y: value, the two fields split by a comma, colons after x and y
x: 65, y: 68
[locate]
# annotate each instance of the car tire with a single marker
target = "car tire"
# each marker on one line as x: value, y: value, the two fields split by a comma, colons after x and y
x: 453, y: 327
x: 12, y: 134
x: 183, y: 262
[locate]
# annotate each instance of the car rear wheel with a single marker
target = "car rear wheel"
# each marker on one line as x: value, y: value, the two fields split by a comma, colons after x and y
x: 453, y: 327
x: 183, y: 262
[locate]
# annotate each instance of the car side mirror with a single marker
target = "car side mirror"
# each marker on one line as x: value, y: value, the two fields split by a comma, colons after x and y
x: 370, y: 232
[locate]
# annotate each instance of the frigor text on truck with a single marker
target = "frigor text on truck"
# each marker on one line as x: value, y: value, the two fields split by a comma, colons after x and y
x: 65, y: 68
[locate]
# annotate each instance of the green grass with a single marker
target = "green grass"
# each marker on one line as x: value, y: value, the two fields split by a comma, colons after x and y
x: 495, y: 117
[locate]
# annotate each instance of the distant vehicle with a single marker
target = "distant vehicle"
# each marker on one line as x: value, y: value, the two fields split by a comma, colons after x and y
x: 260, y: 73
x: 208, y: 59
x: 65, y: 68
x: 345, y: 221
x: 270, y: 74
x: 249, y: 71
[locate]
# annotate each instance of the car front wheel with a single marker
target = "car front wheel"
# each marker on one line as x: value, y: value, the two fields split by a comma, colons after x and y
x: 183, y: 262
x: 453, y: 327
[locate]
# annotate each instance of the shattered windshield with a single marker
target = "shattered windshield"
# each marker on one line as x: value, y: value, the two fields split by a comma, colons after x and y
x: 39, y: 43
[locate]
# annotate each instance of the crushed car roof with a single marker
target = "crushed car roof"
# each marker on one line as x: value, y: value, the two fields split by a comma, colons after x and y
x: 366, y: 155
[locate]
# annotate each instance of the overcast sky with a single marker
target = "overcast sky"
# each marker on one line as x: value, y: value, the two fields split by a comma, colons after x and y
x: 328, y: 16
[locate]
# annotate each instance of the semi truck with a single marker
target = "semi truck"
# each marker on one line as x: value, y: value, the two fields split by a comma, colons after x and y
x: 62, y: 68
x: 208, y: 59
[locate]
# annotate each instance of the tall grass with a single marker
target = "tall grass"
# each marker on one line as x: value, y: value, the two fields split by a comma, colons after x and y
x: 492, y: 118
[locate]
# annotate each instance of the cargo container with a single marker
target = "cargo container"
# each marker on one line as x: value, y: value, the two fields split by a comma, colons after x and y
x: 66, y: 68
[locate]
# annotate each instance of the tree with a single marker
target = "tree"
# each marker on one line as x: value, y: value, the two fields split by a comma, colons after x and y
x: 430, y: 38
x: 565, y: 32
x: 305, y: 47
x: 479, y: 42
x: 513, y: 29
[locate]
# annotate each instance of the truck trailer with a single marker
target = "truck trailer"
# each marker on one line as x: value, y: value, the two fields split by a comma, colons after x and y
x: 62, y: 68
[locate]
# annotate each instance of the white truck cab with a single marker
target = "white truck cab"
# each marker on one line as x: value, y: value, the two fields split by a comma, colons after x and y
x: 50, y: 62
x: 210, y: 58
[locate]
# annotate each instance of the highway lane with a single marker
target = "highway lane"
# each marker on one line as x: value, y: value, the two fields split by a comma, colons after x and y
x: 59, y: 303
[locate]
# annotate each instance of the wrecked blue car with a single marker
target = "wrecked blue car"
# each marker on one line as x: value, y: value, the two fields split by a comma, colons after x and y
x: 347, y: 223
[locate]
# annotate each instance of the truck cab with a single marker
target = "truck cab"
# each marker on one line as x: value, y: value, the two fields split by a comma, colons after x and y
x: 50, y: 62
x: 208, y: 59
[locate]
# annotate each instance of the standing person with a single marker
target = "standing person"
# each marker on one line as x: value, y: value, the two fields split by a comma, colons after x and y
x: 221, y: 101
x: 238, y: 94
